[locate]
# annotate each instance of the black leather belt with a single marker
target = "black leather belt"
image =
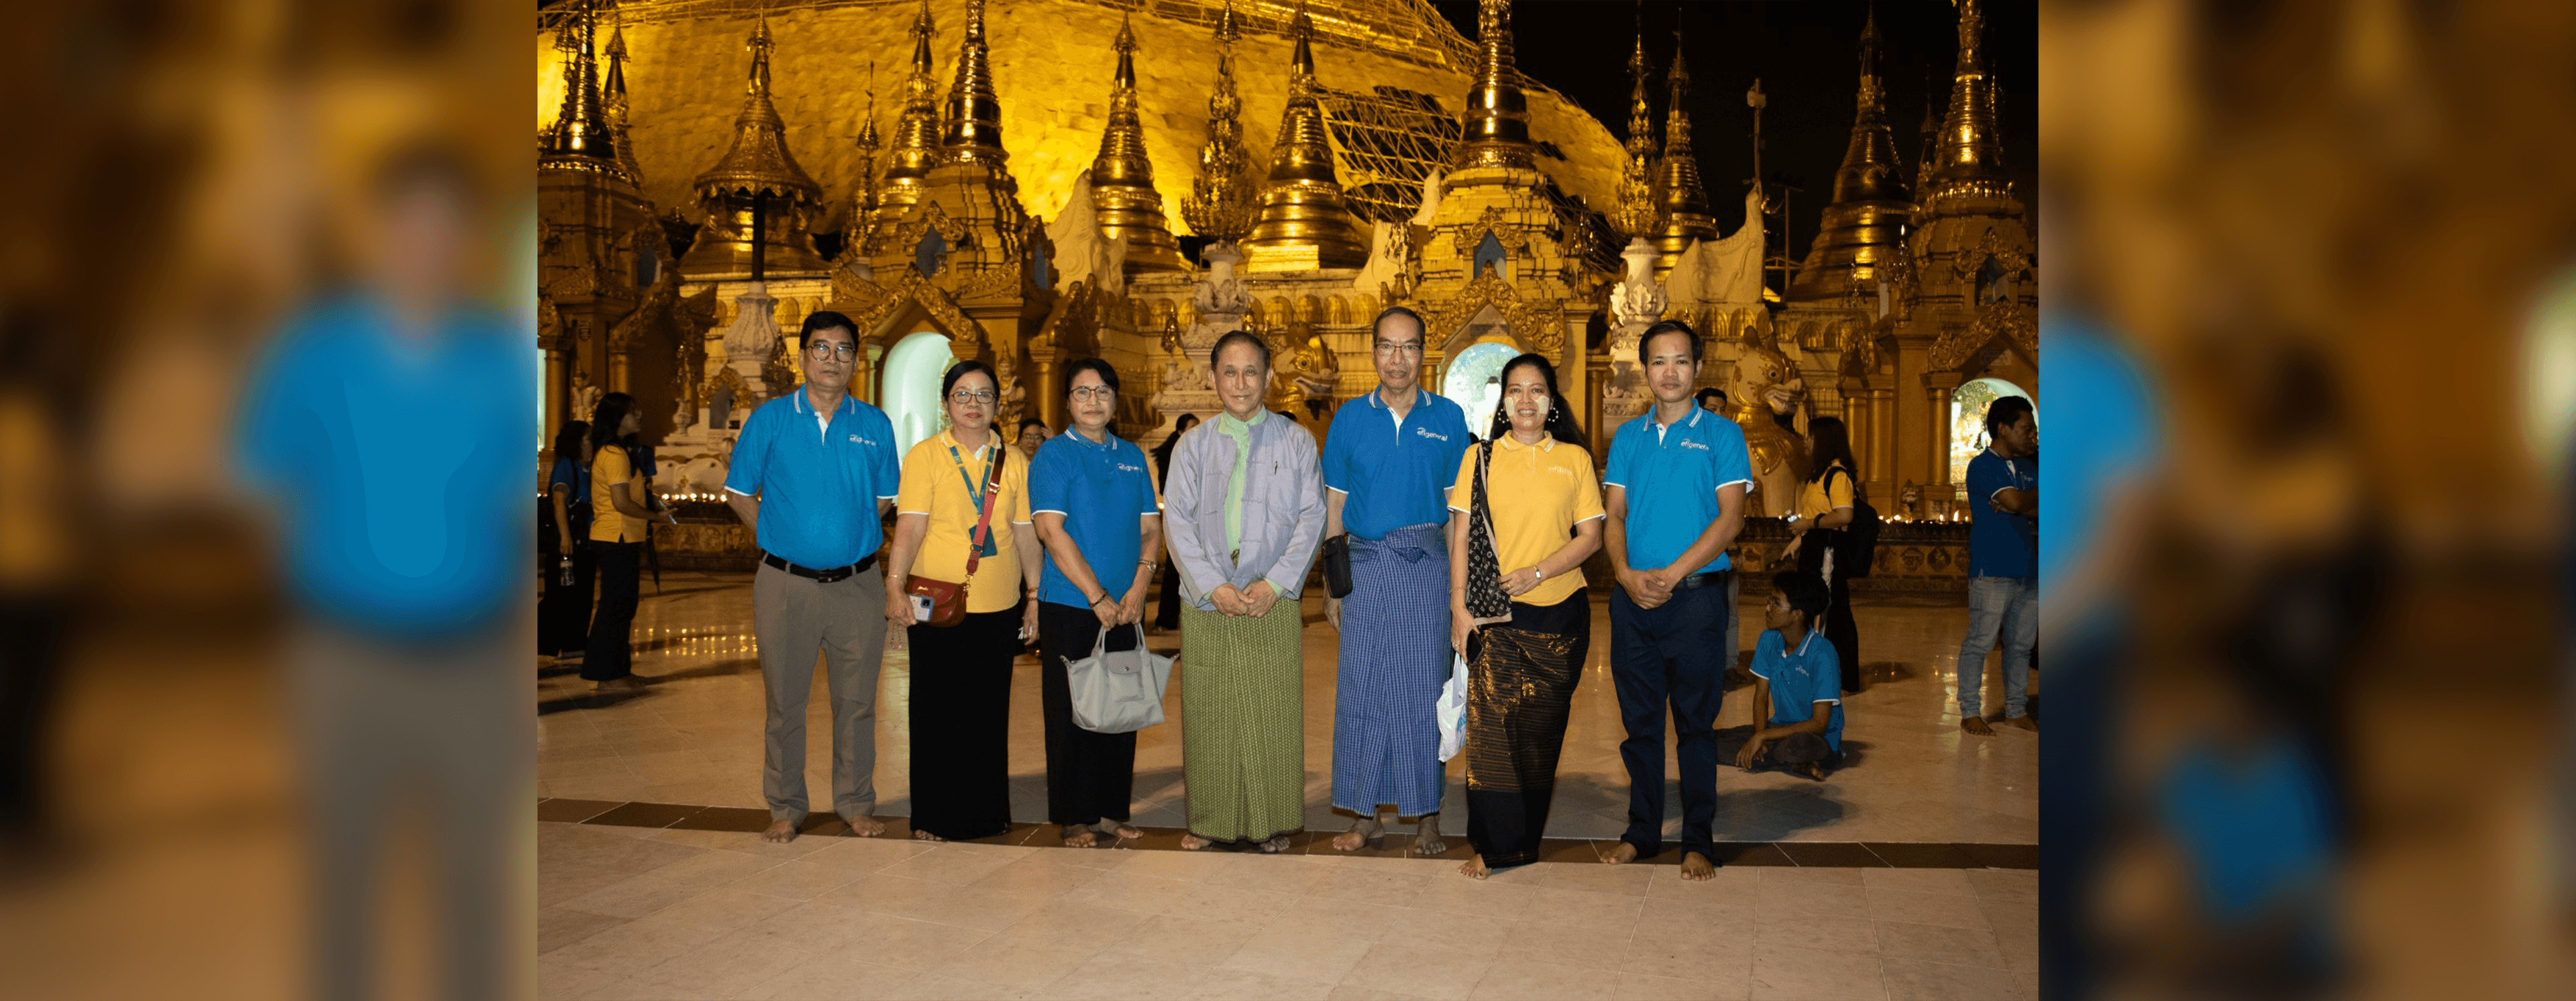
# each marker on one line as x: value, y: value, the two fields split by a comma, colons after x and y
x: 830, y: 576
x: 1712, y: 578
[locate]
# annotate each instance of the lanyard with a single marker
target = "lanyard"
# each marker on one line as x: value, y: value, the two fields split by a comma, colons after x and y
x: 988, y: 545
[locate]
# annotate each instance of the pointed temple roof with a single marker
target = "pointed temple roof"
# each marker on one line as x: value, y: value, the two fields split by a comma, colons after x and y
x: 1681, y: 202
x: 1122, y: 179
x: 759, y: 160
x: 1635, y: 213
x: 1220, y: 206
x: 1866, y: 219
x: 972, y: 129
x: 1969, y: 160
x: 581, y: 138
x: 1305, y: 223
x: 1496, y: 121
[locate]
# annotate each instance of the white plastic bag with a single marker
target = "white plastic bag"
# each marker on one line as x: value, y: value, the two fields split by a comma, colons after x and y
x: 1451, y: 710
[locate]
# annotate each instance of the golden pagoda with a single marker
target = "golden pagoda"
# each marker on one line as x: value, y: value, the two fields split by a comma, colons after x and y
x: 581, y: 138
x: 1496, y: 120
x: 755, y: 188
x: 1305, y: 222
x: 613, y: 105
x: 1867, y: 219
x: 1220, y: 206
x: 1681, y: 204
x: 864, y: 201
x: 971, y: 127
x: 1122, y: 179
x: 1635, y: 212
x: 1969, y: 163
x: 916, y: 135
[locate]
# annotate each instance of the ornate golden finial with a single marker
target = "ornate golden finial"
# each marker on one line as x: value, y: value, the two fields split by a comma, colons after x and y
x: 973, y: 124
x: 864, y: 201
x: 916, y: 132
x: 613, y: 103
x: 1681, y: 204
x: 757, y: 166
x: 1865, y: 223
x: 1305, y: 223
x: 581, y: 127
x: 1122, y: 178
x: 1220, y: 203
x: 1635, y: 212
x: 1497, y: 116
x: 1970, y: 161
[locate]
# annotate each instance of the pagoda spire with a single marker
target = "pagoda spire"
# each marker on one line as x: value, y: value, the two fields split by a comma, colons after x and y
x: 1635, y: 212
x: 581, y: 126
x: 916, y: 131
x: 613, y: 104
x: 1866, y: 219
x: 756, y: 186
x: 864, y: 201
x: 1496, y: 122
x: 1220, y: 206
x: 1122, y: 178
x: 972, y: 130
x: 1305, y: 222
x: 1969, y: 161
x: 1681, y: 203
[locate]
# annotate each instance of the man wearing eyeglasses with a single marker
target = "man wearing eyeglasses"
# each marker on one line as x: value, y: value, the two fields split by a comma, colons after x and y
x: 1388, y: 462
x: 813, y: 473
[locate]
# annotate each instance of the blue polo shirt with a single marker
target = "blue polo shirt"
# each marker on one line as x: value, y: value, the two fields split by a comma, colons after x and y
x: 1394, y: 474
x: 1100, y: 490
x: 2001, y: 544
x: 818, y: 478
x: 1672, y: 476
x: 1801, y: 678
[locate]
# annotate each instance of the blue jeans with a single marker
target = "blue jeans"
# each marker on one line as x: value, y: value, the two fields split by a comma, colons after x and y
x: 1998, y: 606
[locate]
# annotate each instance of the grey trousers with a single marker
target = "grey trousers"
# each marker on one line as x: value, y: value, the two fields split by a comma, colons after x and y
x: 794, y: 618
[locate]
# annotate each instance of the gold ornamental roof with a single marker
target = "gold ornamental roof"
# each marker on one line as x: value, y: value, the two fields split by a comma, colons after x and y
x: 1305, y: 224
x: 1970, y: 160
x: 1681, y: 202
x: 1867, y: 218
x: 972, y: 131
x: 1122, y: 177
x: 759, y: 161
x: 1496, y: 121
x: 1634, y: 214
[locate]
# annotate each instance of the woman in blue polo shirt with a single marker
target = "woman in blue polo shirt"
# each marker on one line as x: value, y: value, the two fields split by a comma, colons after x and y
x: 563, y: 614
x: 1093, y: 502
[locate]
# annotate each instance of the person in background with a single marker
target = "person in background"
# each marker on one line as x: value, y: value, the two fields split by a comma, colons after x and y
x: 1816, y: 530
x: 963, y: 494
x: 1033, y: 436
x: 2003, y: 555
x: 1244, y: 515
x: 1167, y: 596
x: 563, y: 614
x: 1094, y: 508
x: 1538, y: 515
x: 1795, y: 685
x: 1711, y: 399
x: 617, y: 526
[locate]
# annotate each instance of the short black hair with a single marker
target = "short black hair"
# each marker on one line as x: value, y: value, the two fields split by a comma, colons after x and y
x: 1100, y: 366
x: 1026, y: 422
x: 824, y: 319
x: 1419, y: 327
x: 1807, y: 595
x: 1702, y: 396
x: 1238, y: 337
x: 957, y: 371
x: 1646, y: 342
x: 2005, y: 412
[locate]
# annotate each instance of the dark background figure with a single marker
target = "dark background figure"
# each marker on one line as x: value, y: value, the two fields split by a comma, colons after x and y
x: 563, y: 613
x: 1832, y: 468
x: 1711, y: 399
x: 37, y: 517
x: 1167, y: 598
x: 618, y: 532
x: 1032, y: 433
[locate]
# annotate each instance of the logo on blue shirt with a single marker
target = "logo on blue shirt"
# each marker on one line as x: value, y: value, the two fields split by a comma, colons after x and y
x: 1427, y: 433
x: 1687, y: 443
x: 1125, y: 468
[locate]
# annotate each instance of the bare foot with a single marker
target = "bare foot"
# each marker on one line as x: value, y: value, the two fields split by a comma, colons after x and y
x: 1426, y: 835
x: 1364, y: 831
x: 864, y: 826
x: 1697, y: 868
x: 1976, y: 725
x: 1078, y: 836
x: 1120, y: 830
x: 2024, y: 722
x: 1192, y: 843
x: 926, y: 836
x: 1620, y: 854
x: 1474, y: 868
x: 780, y: 832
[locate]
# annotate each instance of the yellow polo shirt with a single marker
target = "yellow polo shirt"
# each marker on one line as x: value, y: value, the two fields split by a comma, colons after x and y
x: 609, y: 468
x: 1815, y: 500
x: 932, y: 488
x: 1539, y: 493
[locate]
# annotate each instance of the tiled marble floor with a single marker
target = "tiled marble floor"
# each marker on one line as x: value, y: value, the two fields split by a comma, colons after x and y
x: 693, y: 737
x: 631, y: 912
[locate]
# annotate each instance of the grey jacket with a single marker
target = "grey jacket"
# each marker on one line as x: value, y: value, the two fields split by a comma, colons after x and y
x: 1283, y: 510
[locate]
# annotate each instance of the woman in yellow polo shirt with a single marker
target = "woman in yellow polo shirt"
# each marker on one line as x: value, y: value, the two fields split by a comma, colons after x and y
x: 617, y: 522
x: 1825, y: 503
x: 1518, y: 607
x: 961, y: 674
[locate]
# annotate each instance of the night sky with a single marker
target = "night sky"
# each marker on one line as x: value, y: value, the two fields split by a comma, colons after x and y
x: 1807, y: 57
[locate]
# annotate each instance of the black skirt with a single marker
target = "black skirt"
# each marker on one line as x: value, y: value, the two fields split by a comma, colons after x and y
x: 960, y: 718
x: 1520, y: 688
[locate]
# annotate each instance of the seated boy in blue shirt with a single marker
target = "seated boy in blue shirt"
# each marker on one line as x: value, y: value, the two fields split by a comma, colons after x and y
x: 1798, y: 675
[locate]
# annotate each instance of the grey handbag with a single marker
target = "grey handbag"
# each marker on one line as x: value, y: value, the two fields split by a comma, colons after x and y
x: 1118, y: 692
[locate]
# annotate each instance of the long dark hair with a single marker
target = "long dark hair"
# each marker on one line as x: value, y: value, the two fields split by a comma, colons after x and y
x: 604, y: 421
x: 1561, y: 424
x: 1833, y: 444
x: 568, y: 441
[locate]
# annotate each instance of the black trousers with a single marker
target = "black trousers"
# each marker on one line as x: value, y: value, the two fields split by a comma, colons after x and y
x: 563, y: 613
x: 1167, y: 600
x: 610, y: 655
x: 30, y: 673
x: 1671, y: 658
x: 960, y: 716
x: 1091, y: 777
x: 1844, y: 633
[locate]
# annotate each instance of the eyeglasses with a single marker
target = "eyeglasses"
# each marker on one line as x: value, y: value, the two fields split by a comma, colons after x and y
x: 1413, y: 348
x: 1093, y: 392
x: 832, y: 349
x: 976, y: 396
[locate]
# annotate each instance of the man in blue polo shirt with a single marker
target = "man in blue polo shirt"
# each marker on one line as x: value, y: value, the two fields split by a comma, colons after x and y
x: 813, y: 472
x: 1797, y: 683
x: 2003, y: 565
x: 1675, y: 493
x: 1389, y: 459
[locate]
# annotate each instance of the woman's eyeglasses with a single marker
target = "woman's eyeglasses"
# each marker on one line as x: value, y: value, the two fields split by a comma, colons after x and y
x: 1093, y: 392
x: 975, y: 396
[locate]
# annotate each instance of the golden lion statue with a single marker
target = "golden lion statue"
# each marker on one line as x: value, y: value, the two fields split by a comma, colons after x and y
x: 1768, y: 397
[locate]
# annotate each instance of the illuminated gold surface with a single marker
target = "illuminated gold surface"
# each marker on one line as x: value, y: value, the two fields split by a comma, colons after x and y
x: 972, y: 130
x: 581, y: 125
x: 1866, y: 221
x: 1497, y: 115
x: 1122, y: 178
x: 759, y: 164
x: 1635, y: 212
x: 613, y: 105
x: 1969, y: 162
x: 1220, y: 206
x: 1305, y: 224
x: 1681, y: 204
x: 916, y: 134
